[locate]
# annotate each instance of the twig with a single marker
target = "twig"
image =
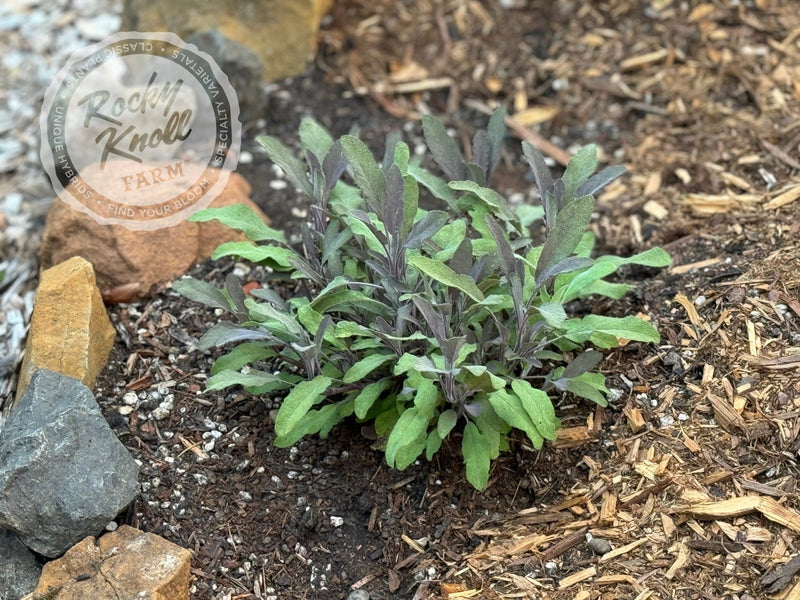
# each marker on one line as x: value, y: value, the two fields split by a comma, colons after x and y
x: 540, y: 143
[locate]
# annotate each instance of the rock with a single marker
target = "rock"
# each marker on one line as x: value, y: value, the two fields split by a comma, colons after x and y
x: 282, y: 32
x: 63, y: 473
x: 139, y: 259
x: 70, y: 332
x: 18, y: 565
x: 124, y: 564
x: 598, y: 545
x: 242, y: 65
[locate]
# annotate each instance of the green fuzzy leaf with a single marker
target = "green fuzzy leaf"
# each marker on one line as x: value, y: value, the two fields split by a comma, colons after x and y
x: 366, y: 173
x: 426, y: 400
x: 358, y: 227
x: 477, y: 451
x: 405, y: 363
x: 594, y: 327
x: 443, y: 148
x: 447, y: 420
x: 410, y: 204
x: 200, y: 291
x: 315, y: 137
x: 270, y: 316
x: 401, y: 156
x: 428, y: 226
x: 409, y: 430
x: 538, y: 406
x: 250, y: 379
x: 443, y: 274
x: 243, y: 218
x: 316, y: 421
x: 435, y: 185
x: 366, y: 398
x: 566, y: 234
x: 226, y: 332
x: 488, y: 196
x: 449, y: 238
x: 294, y: 168
x: 244, y: 354
x: 553, y: 313
x: 605, y: 265
x: 365, y: 366
x: 295, y: 406
x: 432, y: 445
x: 590, y: 386
x: 338, y: 299
x: 509, y: 408
x: 580, y: 168
x: 274, y: 255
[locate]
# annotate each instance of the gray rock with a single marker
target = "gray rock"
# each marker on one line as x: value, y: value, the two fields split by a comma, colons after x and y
x: 63, y: 473
x: 243, y: 67
x: 358, y: 595
x: 19, y: 568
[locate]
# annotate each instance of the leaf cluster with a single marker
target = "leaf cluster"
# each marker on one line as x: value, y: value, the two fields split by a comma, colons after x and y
x: 428, y: 324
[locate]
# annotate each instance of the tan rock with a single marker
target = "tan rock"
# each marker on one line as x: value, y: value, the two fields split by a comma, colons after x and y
x: 282, y: 32
x: 129, y: 263
x: 121, y: 565
x: 70, y: 332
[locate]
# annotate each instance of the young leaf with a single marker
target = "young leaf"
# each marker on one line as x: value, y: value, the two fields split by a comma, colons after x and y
x: 275, y: 255
x: 566, y: 233
x: 488, y: 196
x: 435, y: 185
x: 200, y: 291
x: 408, y: 431
x: 366, y: 173
x: 582, y: 164
x: 477, y: 451
x: 425, y: 229
x: 393, y: 207
x: 235, y: 293
x: 410, y: 203
x: 225, y: 332
x: 447, y: 420
x: 295, y: 169
x: 538, y: 406
x: 598, y: 181
x: 583, y: 363
x: 495, y: 132
x: 432, y: 445
x: 368, y: 395
x: 366, y: 366
x: 443, y: 274
x: 544, y: 180
x: 443, y: 148
x: 314, y: 137
x: 624, y: 328
x: 250, y: 379
x: 298, y: 402
x: 244, y: 354
x: 509, y: 408
x: 243, y: 218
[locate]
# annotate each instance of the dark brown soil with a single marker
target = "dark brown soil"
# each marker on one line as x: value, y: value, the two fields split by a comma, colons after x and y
x: 697, y: 418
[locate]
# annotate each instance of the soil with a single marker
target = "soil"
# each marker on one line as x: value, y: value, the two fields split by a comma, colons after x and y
x: 700, y: 102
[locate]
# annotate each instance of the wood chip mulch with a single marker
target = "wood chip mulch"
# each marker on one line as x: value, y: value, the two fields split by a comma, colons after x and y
x: 701, y: 101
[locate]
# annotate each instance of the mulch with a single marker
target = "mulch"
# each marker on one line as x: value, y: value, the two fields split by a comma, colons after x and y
x: 686, y: 485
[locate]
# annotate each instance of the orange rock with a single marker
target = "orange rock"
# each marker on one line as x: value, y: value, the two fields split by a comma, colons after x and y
x: 126, y: 563
x: 70, y: 332
x: 138, y: 260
